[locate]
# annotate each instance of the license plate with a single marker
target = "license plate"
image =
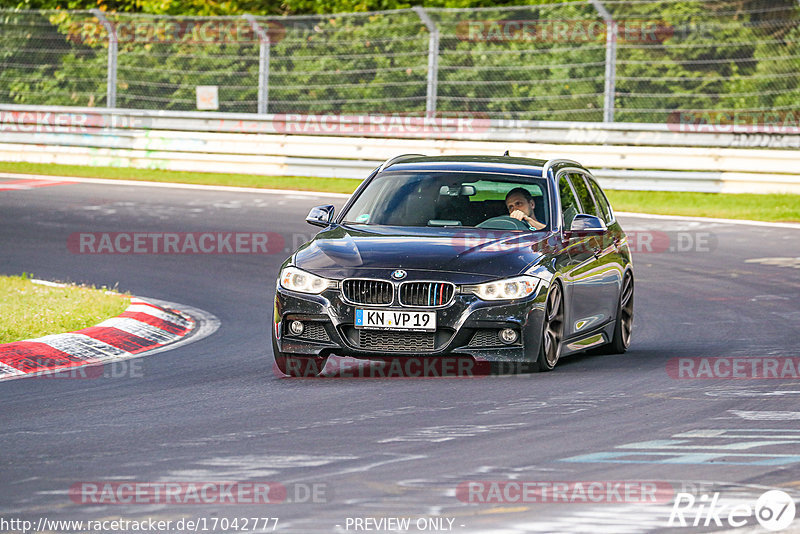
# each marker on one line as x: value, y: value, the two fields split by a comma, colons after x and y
x: 395, y: 319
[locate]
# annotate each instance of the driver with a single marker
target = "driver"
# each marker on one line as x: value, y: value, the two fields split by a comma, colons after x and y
x: 520, y: 206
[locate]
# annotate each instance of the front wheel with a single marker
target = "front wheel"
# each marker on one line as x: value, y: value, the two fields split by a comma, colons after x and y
x: 298, y: 366
x: 623, y: 328
x: 553, y: 331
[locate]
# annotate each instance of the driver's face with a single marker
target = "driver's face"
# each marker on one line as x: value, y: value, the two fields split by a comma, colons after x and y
x: 518, y: 202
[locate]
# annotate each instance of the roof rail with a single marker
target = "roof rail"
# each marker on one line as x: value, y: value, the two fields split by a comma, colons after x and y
x: 391, y: 161
x: 551, y: 162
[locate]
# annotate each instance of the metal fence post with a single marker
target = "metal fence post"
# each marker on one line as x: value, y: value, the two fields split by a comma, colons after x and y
x: 111, y: 75
x: 433, y: 59
x: 263, y: 64
x: 610, y: 89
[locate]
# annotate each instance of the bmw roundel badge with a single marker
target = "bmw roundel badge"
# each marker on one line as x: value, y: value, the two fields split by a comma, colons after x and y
x: 399, y: 274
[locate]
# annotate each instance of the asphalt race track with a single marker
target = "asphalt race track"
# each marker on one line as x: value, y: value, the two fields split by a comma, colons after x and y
x: 363, y: 454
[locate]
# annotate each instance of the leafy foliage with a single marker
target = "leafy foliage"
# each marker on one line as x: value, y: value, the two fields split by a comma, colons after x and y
x: 514, y: 62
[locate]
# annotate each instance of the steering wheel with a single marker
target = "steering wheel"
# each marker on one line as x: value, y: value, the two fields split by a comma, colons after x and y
x: 504, y: 222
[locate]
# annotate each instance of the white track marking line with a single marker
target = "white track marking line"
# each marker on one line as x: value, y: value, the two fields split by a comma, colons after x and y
x: 793, y: 226
x: 199, y: 187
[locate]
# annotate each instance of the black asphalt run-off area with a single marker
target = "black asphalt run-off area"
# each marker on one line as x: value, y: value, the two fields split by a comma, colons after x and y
x: 378, y: 449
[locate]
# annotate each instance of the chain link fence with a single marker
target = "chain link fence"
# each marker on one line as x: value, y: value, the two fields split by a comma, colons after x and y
x: 630, y: 61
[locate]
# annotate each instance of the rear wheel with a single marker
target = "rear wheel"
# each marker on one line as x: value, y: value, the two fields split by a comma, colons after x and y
x: 298, y: 366
x: 553, y: 331
x: 624, y: 324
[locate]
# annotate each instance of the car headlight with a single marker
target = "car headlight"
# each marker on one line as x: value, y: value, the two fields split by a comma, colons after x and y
x: 507, y: 289
x: 295, y: 279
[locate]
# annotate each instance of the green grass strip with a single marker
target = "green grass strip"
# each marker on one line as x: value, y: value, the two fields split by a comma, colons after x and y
x: 771, y: 207
x: 29, y: 310
x: 299, y: 183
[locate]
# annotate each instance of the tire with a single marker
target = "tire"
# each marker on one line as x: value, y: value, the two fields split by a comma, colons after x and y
x: 552, y: 330
x: 298, y: 366
x: 621, y: 339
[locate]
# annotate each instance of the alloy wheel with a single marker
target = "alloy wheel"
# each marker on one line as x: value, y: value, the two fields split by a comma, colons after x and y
x: 554, y: 326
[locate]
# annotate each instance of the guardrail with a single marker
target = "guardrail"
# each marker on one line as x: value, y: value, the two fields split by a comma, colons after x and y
x: 680, y: 157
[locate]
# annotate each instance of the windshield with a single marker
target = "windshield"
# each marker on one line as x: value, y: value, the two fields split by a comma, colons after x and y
x: 450, y: 199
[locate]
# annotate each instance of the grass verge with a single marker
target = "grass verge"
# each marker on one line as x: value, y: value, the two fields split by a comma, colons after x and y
x: 776, y: 208
x: 772, y: 207
x: 30, y: 310
x: 300, y: 183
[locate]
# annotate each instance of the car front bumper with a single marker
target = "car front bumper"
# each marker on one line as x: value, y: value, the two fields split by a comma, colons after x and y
x: 468, y: 326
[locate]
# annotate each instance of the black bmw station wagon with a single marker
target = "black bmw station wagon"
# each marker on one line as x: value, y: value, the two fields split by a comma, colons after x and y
x: 501, y: 259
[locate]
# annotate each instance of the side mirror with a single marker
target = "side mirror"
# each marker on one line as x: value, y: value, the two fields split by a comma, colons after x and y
x: 584, y: 224
x: 320, y: 216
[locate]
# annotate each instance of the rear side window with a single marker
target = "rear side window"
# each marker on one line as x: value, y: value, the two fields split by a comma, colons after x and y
x: 585, y: 197
x: 602, y: 201
x: 569, y: 205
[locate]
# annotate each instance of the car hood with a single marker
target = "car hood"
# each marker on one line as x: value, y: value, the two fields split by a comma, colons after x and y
x: 472, y: 253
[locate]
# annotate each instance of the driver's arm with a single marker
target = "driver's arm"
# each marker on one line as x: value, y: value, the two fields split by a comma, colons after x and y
x: 536, y: 225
